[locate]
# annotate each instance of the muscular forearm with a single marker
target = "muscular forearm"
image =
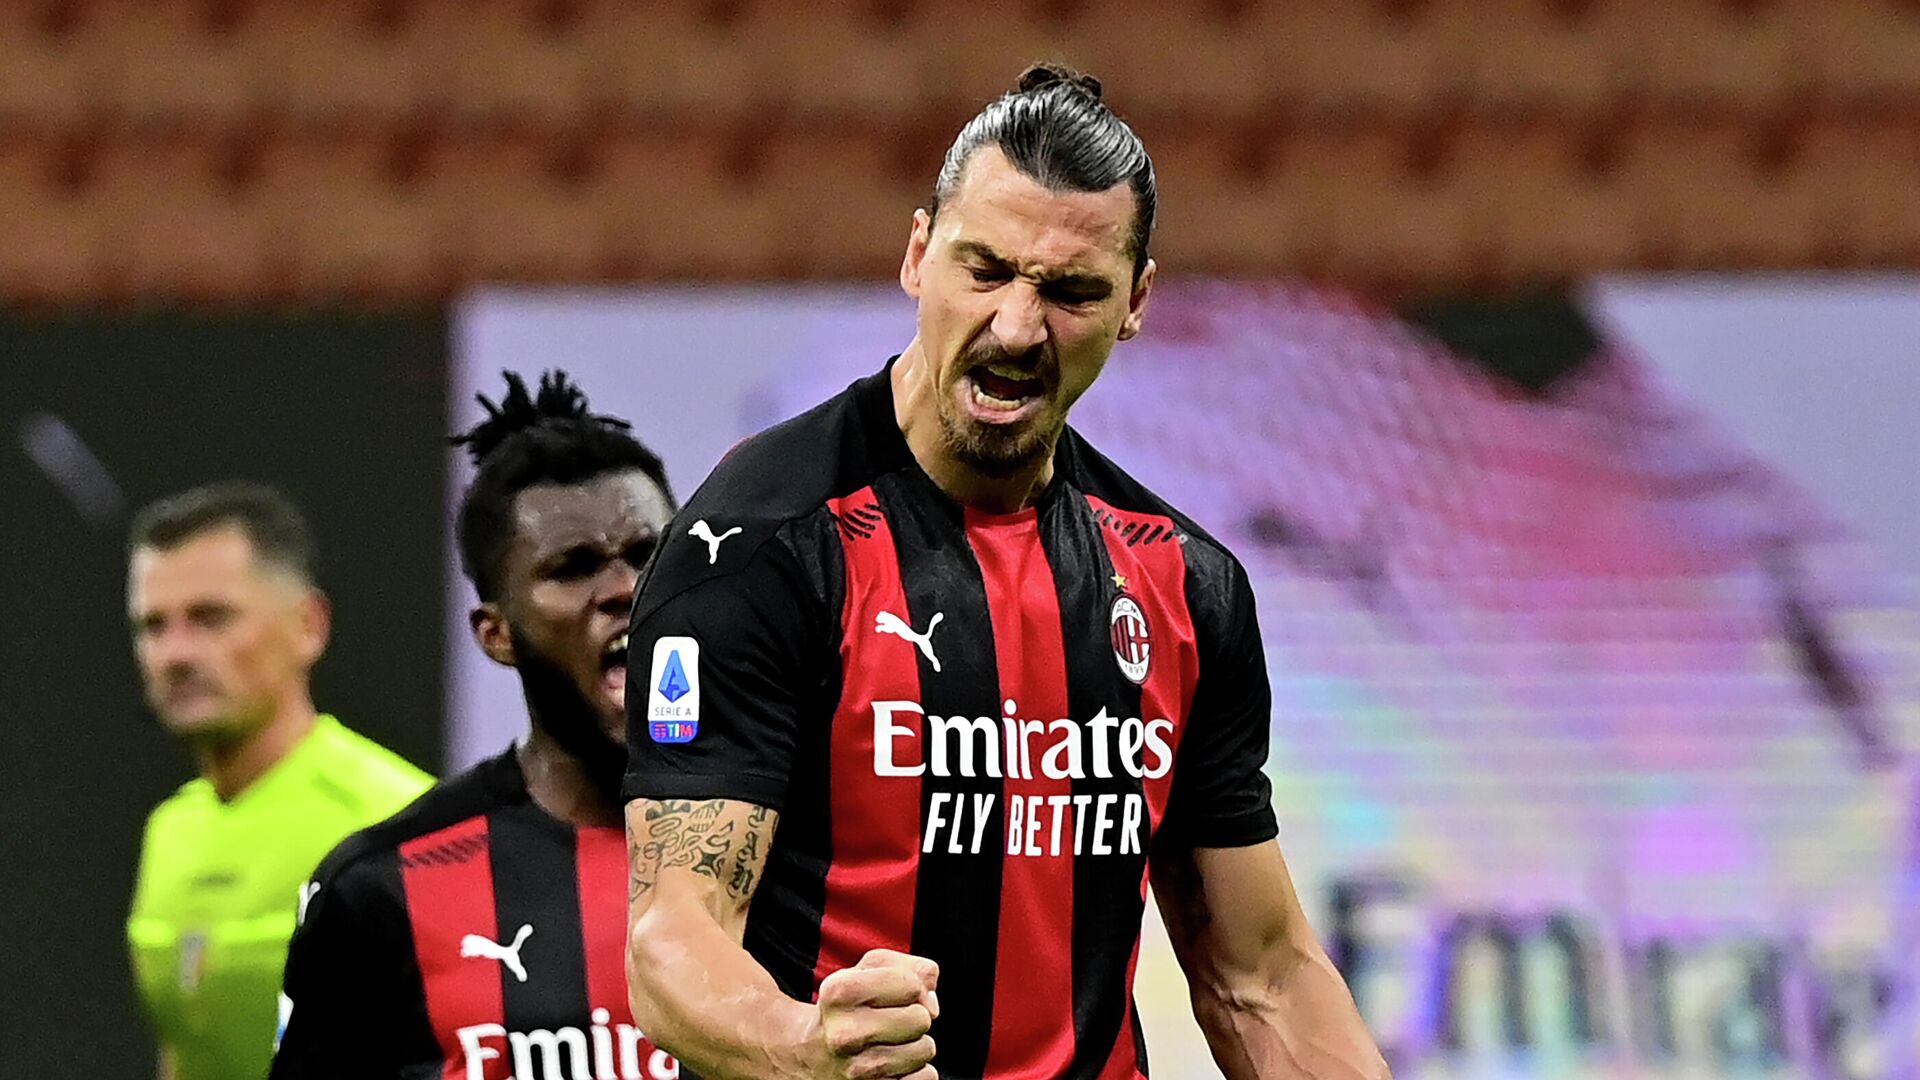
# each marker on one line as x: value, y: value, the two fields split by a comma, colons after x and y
x: 700, y: 996
x: 694, y: 989
x: 1292, y: 1020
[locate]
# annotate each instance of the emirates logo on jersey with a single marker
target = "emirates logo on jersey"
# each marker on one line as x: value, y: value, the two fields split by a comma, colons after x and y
x: 1132, y: 638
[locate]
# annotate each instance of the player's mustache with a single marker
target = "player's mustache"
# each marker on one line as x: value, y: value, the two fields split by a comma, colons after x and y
x: 178, y: 679
x: 1032, y: 360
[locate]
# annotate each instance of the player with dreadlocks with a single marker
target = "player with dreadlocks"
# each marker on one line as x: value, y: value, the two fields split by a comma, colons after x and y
x: 480, y: 931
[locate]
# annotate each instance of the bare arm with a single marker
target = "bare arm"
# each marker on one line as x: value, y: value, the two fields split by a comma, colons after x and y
x: 1269, y: 1000
x: 693, y: 868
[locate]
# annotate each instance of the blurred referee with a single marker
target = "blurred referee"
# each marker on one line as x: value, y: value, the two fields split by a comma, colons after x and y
x: 227, y: 625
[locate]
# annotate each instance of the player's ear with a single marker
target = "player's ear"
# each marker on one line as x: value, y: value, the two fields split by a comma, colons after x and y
x: 1137, y: 302
x: 917, y: 240
x: 490, y: 632
x: 316, y: 625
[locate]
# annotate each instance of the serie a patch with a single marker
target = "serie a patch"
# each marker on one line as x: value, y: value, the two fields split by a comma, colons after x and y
x: 673, y: 691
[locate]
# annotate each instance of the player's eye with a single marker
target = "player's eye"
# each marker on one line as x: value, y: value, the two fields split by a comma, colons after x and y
x: 574, y: 565
x: 211, y: 616
x: 1074, y: 293
x: 989, y: 275
x: 639, y: 552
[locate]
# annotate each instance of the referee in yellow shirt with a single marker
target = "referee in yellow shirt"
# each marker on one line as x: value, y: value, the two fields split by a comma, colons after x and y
x: 227, y: 625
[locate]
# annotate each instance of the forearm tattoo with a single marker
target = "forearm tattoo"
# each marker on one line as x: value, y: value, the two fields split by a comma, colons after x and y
x: 719, y: 839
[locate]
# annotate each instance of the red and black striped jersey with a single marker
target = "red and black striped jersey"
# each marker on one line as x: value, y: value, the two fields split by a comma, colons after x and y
x: 470, y: 935
x: 974, y: 726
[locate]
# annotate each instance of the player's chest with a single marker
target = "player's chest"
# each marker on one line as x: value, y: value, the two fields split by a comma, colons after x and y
x: 1025, y: 680
x: 519, y: 933
x: 1017, y: 621
x: 208, y: 936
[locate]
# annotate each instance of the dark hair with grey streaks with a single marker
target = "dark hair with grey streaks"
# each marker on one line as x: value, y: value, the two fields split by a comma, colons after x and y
x: 1055, y: 129
x: 271, y: 523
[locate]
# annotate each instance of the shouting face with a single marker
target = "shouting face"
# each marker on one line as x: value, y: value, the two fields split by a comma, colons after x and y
x: 1023, y: 292
x: 567, y: 585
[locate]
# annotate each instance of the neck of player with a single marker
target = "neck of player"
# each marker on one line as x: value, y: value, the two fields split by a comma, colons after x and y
x: 559, y: 783
x: 232, y: 766
x: 916, y: 408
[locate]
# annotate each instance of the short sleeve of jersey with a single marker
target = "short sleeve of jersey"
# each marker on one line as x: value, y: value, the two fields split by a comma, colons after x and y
x: 719, y: 677
x: 353, y: 1005
x: 1221, y: 795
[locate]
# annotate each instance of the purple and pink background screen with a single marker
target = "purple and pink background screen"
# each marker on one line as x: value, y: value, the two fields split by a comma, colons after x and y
x: 1595, y: 709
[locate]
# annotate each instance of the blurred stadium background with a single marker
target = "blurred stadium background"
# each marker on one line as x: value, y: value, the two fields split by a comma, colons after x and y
x: 1553, y: 364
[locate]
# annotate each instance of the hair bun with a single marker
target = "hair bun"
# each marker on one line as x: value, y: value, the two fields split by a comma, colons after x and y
x: 1041, y: 76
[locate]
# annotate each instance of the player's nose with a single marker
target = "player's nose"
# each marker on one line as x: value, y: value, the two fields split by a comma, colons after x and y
x: 171, y: 653
x: 616, y: 598
x: 1020, y: 319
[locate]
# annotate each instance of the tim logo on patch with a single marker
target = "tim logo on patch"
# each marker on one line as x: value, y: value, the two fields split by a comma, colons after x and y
x: 673, y: 690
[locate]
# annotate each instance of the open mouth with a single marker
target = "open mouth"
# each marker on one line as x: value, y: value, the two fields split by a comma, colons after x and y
x: 613, y: 670
x: 1003, y: 393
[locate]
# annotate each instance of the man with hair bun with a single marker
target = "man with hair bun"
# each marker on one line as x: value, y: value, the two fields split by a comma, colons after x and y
x: 927, y: 692
x: 479, y: 932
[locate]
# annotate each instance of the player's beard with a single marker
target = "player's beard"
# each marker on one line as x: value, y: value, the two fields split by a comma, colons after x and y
x: 999, y: 450
x: 564, y: 712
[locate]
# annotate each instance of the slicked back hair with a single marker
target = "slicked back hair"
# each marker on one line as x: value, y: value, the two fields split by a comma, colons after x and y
x: 1055, y: 129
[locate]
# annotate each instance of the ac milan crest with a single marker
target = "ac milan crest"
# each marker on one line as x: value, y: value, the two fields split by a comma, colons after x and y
x: 1132, y: 642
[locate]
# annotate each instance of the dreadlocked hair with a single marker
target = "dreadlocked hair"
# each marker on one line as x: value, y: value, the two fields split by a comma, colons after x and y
x: 544, y: 437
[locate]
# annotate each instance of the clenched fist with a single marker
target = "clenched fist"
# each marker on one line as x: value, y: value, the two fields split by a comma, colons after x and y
x: 875, y: 1017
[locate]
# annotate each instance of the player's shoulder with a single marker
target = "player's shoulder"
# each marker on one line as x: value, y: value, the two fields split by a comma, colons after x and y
x: 442, y: 806
x: 182, y: 809
x: 1134, y: 510
x: 782, y: 478
x: 371, y: 768
x: 792, y: 467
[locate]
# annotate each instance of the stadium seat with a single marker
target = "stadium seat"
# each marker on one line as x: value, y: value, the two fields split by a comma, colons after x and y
x: 156, y: 64
x: 43, y: 84
x: 1333, y: 55
x: 511, y: 209
x: 1857, y: 48
x: 676, y: 207
x: 178, y: 221
x: 1542, y: 202
x: 1187, y: 60
x: 1530, y: 54
x: 351, y: 221
x: 49, y: 236
x: 1865, y: 176
x: 494, y: 61
x: 862, y: 229
x: 673, y: 61
x: 835, y: 60
x: 333, y: 65
x: 1737, y: 55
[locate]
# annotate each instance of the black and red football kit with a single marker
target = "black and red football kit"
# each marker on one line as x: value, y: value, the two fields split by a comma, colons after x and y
x: 974, y: 727
x: 470, y: 935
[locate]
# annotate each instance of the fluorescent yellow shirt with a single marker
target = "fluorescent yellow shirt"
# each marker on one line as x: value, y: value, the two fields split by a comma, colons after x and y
x: 218, y: 892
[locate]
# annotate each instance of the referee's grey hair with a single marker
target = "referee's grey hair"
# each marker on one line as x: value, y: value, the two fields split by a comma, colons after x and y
x: 1055, y: 129
x: 272, y: 524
